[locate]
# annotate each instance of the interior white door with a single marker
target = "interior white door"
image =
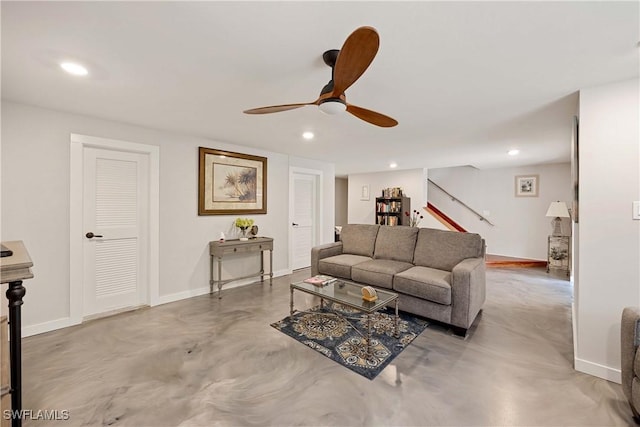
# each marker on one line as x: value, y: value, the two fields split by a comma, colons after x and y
x: 115, y: 205
x: 303, y: 218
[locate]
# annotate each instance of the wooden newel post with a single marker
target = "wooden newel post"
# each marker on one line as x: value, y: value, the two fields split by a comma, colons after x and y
x: 15, y: 268
x: 15, y: 293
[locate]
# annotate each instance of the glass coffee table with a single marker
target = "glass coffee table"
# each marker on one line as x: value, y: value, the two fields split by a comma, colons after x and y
x: 349, y: 294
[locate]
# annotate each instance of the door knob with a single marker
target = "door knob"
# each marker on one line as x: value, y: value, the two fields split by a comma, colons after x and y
x: 294, y: 224
x: 90, y: 235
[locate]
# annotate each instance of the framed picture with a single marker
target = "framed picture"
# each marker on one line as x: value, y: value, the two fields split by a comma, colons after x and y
x: 364, y: 192
x: 527, y: 185
x: 231, y: 183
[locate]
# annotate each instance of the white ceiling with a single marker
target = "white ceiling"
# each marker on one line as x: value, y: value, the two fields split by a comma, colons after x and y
x: 467, y: 81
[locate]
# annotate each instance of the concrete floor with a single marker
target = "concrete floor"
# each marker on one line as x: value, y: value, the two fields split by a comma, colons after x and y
x: 210, y: 362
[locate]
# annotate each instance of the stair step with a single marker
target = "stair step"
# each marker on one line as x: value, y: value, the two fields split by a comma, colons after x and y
x: 499, y: 261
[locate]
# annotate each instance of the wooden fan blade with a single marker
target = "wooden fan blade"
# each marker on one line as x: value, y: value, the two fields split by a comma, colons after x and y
x: 372, y: 117
x: 354, y: 58
x: 277, y: 108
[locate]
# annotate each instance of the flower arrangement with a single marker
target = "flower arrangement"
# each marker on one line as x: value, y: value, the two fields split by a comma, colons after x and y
x: 558, y: 254
x: 243, y: 224
x: 414, y: 218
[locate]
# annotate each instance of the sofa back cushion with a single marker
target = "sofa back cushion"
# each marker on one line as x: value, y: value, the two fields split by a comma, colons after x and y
x: 443, y: 249
x: 359, y: 239
x: 396, y: 243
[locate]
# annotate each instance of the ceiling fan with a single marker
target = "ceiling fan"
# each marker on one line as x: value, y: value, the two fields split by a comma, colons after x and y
x: 347, y: 65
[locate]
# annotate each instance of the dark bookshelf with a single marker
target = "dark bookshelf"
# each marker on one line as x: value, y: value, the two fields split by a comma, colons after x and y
x: 391, y: 210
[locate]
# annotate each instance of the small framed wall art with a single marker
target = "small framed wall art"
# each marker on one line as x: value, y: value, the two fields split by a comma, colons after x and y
x: 231, y: 183
x: 527, y: 185
x: 364, y: 192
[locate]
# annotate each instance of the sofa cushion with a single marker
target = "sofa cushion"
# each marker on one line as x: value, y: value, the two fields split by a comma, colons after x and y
x: 359, y: 239
x: 426, y: 283
x: 396, y: 243
x: 378, y: 272
x: 442, y: 250
x: 340, y: 265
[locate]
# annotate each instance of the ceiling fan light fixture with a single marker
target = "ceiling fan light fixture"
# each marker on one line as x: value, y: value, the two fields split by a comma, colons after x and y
x: 333, y: 106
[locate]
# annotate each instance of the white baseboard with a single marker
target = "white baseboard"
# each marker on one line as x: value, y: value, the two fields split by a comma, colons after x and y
x: 597, y: 370
x: 41, y: 328
x: 165, y: 299
x: 65, y: 322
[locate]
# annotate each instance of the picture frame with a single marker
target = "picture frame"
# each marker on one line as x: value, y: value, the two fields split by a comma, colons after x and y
x: 364, y: 193
x: 231, y: 183
x: 527, y: 185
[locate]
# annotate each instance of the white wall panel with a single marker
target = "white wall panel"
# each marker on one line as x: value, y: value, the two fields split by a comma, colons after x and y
x: 609, y: 267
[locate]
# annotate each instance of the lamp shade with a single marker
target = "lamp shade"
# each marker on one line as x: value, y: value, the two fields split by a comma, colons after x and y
x: 558, y: 209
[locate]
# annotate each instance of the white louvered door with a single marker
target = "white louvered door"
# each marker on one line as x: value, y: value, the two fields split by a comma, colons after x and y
x: 303, y: 227
x: 115, y: 204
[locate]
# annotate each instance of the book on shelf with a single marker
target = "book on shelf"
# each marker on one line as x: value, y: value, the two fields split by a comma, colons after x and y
x: 392, y: 192
x: 320, y: 280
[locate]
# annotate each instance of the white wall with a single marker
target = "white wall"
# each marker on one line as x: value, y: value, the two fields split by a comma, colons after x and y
x: 609, y: 244
x: 363, y: 211
x: 520, y: 225
x: 35, y: 205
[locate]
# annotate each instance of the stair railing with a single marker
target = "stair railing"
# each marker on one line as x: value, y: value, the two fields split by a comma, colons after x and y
x: 455, y: 199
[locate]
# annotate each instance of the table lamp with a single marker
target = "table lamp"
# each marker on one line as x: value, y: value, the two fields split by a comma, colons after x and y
x: 558, y: 210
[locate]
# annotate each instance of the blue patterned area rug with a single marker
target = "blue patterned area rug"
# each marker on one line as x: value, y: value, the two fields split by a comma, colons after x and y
x: 335, y: 337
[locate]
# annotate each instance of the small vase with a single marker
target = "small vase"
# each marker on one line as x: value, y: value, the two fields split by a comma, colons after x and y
x: 243, y: 234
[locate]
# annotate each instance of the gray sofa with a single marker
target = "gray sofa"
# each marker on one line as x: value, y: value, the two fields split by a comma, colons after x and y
x: 630, y: 366
x: 437, y: 274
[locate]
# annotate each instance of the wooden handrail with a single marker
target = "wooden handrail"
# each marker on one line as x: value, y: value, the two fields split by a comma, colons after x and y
x: 455, y: 199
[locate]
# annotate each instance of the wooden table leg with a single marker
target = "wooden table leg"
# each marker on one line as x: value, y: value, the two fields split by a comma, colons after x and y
x: 271, y: 267
x: 15, y: 293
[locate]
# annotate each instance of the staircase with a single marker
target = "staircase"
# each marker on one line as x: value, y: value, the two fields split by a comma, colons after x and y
x: 492, y: 261
x: 498, y: 261
x: 444, y: 219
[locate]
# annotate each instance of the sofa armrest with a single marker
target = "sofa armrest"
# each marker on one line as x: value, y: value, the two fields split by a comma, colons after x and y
x: 468, y: 291
x: 323, y: 251
x: 629, y: 340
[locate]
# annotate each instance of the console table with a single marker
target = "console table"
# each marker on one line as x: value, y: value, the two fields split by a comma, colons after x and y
x: 14, y: 269
x: 218, y: 250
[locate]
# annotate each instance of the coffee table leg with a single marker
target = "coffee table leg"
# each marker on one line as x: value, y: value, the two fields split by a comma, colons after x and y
x: 368, y: 335
x: 291, y: 301
x: 397, y: 320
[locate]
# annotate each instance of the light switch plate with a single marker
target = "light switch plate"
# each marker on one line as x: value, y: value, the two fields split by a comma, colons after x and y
x: 636, y: 210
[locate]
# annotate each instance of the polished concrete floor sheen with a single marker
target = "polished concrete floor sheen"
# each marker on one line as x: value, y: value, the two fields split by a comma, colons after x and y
x: 210, y: 362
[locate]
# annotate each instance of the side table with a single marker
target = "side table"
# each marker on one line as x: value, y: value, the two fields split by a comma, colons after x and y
x: 559, y: 253
x: 218, y: 250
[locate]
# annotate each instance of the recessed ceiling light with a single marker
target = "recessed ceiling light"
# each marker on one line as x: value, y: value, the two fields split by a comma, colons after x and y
x: 308, y: 135
x: 513, y: 152
x: 393, y: 165
x: 75, y: 69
